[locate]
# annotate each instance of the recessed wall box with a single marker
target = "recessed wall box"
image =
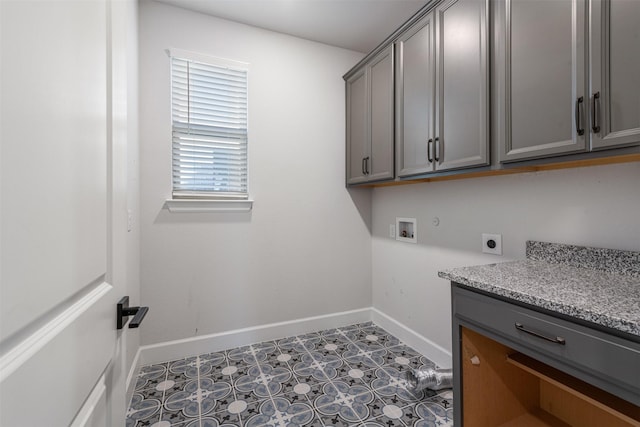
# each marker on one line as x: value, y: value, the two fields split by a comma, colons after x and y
x: 407, y: 230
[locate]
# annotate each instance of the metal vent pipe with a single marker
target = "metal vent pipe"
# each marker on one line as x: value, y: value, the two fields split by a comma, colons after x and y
x: 433, y: 379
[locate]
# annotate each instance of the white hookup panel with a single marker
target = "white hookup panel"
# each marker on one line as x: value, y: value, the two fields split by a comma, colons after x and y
x: 407, y: 230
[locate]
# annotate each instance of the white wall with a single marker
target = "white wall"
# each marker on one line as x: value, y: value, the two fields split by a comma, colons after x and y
x: 125, y: 192
x: 597, y: 206
x: 133, y: 176
x: 305, y: 249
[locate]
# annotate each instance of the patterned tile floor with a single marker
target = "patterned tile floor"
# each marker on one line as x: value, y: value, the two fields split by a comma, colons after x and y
x: 350, y: 376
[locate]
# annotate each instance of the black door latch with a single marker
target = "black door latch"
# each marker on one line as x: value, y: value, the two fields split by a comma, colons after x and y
x: 124, y: 311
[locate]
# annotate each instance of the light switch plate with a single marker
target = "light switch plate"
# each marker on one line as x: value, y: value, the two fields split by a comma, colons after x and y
x: 129, y: 220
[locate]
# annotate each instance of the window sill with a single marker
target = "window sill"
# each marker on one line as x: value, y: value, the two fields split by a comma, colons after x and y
x: 184, y: 205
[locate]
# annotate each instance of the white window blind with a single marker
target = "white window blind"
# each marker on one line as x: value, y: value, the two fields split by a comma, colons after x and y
x: 209, y: 117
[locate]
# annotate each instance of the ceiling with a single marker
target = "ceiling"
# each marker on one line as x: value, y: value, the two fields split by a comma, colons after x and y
x: 358, y: 25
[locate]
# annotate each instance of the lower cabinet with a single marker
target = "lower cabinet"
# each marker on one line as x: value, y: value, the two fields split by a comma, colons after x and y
x: 516, y: 367
x: 508, y: 388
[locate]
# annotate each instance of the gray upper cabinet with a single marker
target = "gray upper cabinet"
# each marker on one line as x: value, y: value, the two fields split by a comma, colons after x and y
x: 370, y: 116
x: 415, y: 100
x: 568, y: 75
x: 357, y: 141
x: 441, y: 92
x: 380, y: 165
x: 462, y: 102
x: 541, y: 73
x: 489, y: 83
x: 615, y: 73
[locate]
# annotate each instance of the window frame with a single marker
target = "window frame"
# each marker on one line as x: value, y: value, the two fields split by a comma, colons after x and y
x: 204, y: 200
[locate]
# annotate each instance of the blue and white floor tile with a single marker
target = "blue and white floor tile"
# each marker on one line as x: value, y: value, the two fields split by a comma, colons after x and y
x: 349, y: 376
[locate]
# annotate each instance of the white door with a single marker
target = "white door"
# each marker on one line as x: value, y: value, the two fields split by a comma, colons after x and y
x: 58, y: 338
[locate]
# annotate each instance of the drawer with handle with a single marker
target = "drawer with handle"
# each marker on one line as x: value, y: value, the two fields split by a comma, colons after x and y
x: 606, y: 360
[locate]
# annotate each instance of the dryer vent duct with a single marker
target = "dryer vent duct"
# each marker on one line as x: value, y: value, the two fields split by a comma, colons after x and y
x: 433, y: 379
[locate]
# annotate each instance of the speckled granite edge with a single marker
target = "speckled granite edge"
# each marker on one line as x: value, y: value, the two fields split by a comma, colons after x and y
x: 507, y: 284
x: 609, y: 260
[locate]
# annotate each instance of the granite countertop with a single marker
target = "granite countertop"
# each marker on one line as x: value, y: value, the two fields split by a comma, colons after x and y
x: 553, y: 277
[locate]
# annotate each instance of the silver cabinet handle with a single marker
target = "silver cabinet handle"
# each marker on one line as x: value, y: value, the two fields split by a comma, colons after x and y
x: 595, y: 113
x: 578, y: 114
x: 430, y: 150
x: 556, y: 340
x: 437, y: 143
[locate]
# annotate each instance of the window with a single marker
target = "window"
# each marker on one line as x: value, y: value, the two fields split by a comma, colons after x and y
x: 209, y: 127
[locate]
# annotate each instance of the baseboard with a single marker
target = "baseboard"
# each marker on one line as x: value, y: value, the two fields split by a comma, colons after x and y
x: 172, y: 350
x: 431, y: 350
x: 131, y: 376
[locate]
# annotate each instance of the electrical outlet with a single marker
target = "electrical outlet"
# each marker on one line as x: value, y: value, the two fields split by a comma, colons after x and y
x: 492, y: 243
x: 392, y: 231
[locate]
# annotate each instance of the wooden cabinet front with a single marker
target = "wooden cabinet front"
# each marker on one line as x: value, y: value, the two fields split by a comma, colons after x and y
x: 502, y: 387
x: 514, y: 366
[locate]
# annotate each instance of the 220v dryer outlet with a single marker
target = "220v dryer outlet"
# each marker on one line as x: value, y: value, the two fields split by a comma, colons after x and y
x: 492, y: 243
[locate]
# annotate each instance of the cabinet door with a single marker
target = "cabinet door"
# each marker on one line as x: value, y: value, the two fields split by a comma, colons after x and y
x: 357, y: 139
x: 461, y: 134
x: 380, y: 164
x: 615, y: 71
x: 545, y: 104
x: 415, y: 82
